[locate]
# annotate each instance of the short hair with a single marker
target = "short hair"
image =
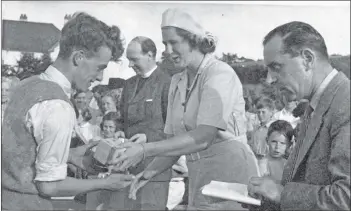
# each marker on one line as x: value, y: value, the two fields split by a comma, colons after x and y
x: 204, y: 44
x: 100, y: 89
x: 84, y: 32
x: 297, y: 35
x: 111, y: 116
x: 77, y: 93
x: 299, y: 110
x: 283, y: 127
x: 264, y: 102
x: 115, y: 94
x: 146, y: 44
x: 86, y: 114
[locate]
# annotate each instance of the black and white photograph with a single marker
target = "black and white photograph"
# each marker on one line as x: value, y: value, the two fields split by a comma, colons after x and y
x: 175, y: 105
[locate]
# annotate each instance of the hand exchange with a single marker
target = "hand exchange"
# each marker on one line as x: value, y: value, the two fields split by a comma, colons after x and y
x: 133, y: 155
x: 138, y: 138
x: 265, y: 187
x: 140, y: 181
x: 118, y: 181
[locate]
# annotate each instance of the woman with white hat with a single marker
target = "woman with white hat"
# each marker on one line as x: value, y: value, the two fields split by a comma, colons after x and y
x: 205, y: 117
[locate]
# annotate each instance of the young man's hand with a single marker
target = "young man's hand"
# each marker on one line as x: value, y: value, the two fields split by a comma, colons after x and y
x: 118, y: 181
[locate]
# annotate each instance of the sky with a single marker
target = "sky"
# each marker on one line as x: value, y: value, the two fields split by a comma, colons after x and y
x: 239, y: 26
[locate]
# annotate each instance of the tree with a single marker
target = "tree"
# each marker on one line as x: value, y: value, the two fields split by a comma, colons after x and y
x: 7, y: 70
x: 28, y: 65
x: 231, y: 59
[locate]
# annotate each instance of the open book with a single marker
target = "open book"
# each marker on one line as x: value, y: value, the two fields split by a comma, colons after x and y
x: 230, y: 191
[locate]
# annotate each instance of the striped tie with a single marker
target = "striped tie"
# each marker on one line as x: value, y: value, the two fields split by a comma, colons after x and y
x: 288, y: 170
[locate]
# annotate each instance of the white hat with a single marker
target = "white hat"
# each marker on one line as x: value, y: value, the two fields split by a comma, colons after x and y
x: 180, y: 19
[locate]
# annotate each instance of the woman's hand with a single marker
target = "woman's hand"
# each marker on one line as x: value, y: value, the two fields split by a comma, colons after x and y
x: 80, y: 151
x: 81, y: 156
x: 133, y: 155
x: 138, y: 182
x: 118, y: 181
x: 138, y: 138
x: 119, y: 134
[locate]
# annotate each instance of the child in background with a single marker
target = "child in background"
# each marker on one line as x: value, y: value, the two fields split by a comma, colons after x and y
x: 100, y: 200
x: 279, y: 139
x: 88, y: 130
x: 265, y: 110
x: 252, y: 121
x: 110, y: 125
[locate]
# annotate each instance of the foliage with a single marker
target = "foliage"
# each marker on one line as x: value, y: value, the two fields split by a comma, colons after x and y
x: 7, y: 70
x: 252, y: 74
x: 231, y: 59
x: 341, y: 63
x: 29, y: 65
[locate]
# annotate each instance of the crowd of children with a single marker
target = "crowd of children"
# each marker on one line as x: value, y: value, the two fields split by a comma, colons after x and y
x: 272, y: 133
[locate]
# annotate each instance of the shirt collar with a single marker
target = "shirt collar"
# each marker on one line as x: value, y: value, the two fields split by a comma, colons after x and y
x: 316, y: 96
x: 54, y: 75
x: 146, y: 75
x: 268, y: 123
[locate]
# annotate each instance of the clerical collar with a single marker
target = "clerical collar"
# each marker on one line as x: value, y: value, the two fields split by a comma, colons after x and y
x: 146, y: 75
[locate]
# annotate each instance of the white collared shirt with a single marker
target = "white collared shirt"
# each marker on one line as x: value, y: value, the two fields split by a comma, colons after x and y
x: 146, y: 75
x: 89, y: 131
x: 287, y: 116
x: 51, y: 123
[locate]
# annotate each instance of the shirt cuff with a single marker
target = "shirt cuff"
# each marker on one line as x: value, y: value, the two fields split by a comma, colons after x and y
x: 50, y: 172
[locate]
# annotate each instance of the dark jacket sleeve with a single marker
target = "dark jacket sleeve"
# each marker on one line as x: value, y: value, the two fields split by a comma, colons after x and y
x: 336, y: 195
x: 164, y: 98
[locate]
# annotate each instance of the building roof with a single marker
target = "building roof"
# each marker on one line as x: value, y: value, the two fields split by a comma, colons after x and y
x: 27, y: 36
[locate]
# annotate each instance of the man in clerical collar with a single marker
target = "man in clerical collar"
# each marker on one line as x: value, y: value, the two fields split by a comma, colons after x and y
x: 143, y: 110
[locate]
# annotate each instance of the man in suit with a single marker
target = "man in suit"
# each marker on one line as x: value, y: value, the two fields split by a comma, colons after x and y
x: 317, y: 173
x: 144, y: 109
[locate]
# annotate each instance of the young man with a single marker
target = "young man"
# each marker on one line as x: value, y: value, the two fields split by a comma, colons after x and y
x: 317, y: 173
x: 39, y: 120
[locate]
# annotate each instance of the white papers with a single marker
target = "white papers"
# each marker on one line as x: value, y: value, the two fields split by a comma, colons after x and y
x: 62, y: 198
x: 230, y: 191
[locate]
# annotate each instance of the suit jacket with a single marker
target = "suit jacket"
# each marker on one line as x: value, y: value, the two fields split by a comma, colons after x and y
x: 145, y: 112
x: 317, y: 173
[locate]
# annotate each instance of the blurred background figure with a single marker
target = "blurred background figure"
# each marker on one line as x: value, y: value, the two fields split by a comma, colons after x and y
x: 80, y: 102
x: 116, y: 86
x: 98, y: 92
x: 252, y: 120
x: 265, y: 110
x: 7, y: 85
x: 109, y: 103
x: 286, y: 113
x: 87, y: 129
